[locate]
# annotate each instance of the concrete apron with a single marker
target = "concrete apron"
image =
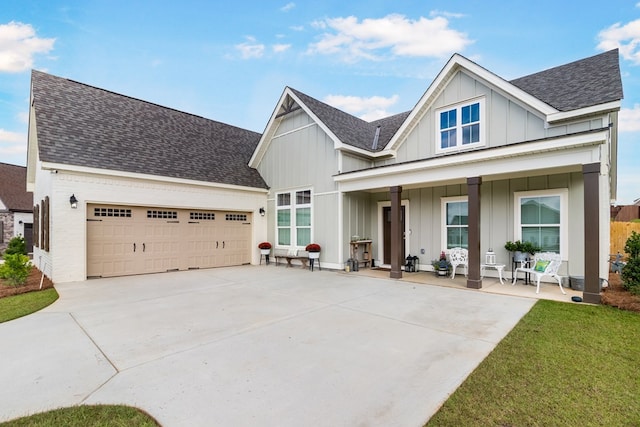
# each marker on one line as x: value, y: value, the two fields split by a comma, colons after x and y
x: 253, y: 345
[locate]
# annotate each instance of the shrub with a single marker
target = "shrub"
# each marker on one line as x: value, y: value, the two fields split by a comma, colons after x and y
x: 631, y: 271
x: 631, y: 276
x: 632, y: 246
x: 15, y: 269
x: 16, y: 245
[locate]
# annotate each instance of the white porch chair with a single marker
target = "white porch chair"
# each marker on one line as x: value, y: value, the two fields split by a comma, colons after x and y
x: 458, y: 256
x: 543, y: 264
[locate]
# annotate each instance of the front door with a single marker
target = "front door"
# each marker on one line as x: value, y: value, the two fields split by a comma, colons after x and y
x: 386, y: 230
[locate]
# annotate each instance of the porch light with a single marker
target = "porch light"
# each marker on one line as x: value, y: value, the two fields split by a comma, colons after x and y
x: 262, y: 211
x: 73, y: 201
x: 490, y: 257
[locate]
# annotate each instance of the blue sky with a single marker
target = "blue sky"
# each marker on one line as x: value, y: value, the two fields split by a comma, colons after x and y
x: 230, y: 61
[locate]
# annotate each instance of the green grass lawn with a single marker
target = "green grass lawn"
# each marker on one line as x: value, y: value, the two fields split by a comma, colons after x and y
x: 87, y: 416
x: 23, y: 304
x: 562, y: 365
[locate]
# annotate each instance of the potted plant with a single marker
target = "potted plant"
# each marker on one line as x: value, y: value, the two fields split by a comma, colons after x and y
x: 265, y: 248
x: 441, y: 266
x: 521, y: 249
x: 314, y: 250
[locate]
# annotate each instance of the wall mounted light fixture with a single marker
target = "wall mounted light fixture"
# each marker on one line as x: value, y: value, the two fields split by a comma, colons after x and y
x: 262, y: 211
x: 73, y: 201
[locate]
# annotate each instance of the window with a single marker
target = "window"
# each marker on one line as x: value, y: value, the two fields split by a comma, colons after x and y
x: 235, y: 217
x: 541, y: 218
x: 293, y: 218
x: 112, y: 212
x: 455, y: 230
x: 460, y: 126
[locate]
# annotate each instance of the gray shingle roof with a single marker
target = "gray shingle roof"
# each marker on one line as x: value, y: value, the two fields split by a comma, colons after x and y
x: 584, y: 83
x: 13, y: 188
x: 350, y: 129
x: 81, y: 125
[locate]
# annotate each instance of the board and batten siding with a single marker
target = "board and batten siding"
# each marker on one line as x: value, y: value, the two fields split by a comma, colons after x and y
x: 507, y: 121
x: 302, y: 156
x: 299, y: 157
x: 424, y: 229
x: 352, y: 163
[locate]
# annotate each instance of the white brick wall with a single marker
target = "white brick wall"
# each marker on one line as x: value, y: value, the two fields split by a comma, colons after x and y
x: 67, y: 255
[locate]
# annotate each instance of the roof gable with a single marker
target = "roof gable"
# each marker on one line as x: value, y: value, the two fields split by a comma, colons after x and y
x: 81, y: 125
x: 347, y: 131
x: 13, y: 188
x: 597, y: 79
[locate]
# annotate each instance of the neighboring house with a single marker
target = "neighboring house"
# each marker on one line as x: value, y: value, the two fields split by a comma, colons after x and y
x: 477, y: 162
x: 16, y: 206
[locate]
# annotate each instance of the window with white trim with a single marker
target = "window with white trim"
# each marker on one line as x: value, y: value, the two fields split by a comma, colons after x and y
x: 541, y: 218
x: 455, y: 227
x: 460, y: 125
x: 293, y: 221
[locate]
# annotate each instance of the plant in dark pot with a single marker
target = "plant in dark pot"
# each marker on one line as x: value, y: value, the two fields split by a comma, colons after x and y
x: 441, y: 266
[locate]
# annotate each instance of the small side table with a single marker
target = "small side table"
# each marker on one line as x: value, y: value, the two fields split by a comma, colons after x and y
x: 522, y: 264
x: 498, y: 267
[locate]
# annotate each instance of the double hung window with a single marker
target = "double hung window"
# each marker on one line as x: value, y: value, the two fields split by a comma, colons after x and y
x: 460, y: 126
x: 455, y: 213
x: 294, y: 218
x: 541, y: 218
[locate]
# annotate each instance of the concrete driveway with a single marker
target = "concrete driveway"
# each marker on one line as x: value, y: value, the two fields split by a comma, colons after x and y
x: 253, y: 345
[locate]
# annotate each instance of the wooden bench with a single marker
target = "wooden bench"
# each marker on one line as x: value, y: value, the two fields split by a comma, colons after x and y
x: 302, y: 256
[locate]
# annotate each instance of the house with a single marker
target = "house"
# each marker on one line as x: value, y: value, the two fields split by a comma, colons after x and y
x: 16, y: 206
x: 478, y: 161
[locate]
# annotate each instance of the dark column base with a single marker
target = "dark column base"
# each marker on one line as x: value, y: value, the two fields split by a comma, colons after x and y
x: 474, y: 284
x: 591, y: 298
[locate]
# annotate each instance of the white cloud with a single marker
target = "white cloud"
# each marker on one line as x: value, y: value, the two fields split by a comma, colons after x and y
x: 279, y: 48
x: 624, y: 37
x: 13, y: 146
x: 7, y: 136
x: 372, y: 108
x: 297, y: 28
x: 251, y: 48
x: 393, y: 35
x: 18, y: 46
x: 287, y: 7
x: 446, y: 14
x: 629, y: 119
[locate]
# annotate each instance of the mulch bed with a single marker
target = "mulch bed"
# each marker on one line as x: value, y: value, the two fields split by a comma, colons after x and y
x: 614, y: 295
x: 33, y: 284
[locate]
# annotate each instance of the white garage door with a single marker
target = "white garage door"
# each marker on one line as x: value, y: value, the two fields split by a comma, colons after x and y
x: 124, y: 240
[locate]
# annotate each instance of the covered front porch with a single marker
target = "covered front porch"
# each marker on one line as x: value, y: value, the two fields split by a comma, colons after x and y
x: 493, y: 184
x: 548, y: 290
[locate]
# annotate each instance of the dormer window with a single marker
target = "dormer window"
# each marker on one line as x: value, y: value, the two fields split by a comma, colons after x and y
x: 459, y: 126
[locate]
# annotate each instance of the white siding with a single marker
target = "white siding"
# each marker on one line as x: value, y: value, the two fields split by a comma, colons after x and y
x: 506, y: 121
x: 302, y: 156
x: 497, y: 221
